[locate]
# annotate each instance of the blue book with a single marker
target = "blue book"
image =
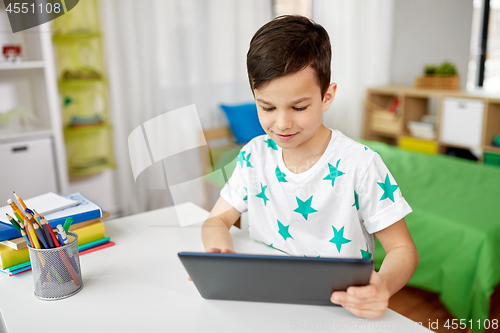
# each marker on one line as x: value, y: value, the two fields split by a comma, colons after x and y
x: 84, y: 211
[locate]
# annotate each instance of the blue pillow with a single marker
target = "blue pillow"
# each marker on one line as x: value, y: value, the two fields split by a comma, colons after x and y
x: 243, y: 121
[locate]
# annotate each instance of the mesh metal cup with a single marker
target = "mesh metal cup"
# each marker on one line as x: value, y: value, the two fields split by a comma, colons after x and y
x: 56, y: 271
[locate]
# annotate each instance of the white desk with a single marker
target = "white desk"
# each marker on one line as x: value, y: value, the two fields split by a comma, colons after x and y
x: 140, y: 285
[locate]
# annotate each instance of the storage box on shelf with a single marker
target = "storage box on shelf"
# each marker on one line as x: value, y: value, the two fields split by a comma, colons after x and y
x: 89, y: 149
x: 83, y: 91
x: 85, y: 102
x: 431, y: 121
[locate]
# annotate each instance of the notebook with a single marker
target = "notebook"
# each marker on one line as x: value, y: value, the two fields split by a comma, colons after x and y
x: 271, y: 278
x: 44, y: 204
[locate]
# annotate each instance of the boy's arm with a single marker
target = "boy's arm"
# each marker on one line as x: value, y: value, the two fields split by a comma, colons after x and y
x: 215, y: 230
x: 400, y: 262
x: 401, y: 258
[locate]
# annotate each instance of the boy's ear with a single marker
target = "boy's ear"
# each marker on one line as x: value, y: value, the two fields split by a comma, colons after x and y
x: 329, y: 96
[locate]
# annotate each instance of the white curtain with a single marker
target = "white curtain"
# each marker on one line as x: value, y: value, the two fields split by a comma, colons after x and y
x: 166, y: 54
x: 361, y: 37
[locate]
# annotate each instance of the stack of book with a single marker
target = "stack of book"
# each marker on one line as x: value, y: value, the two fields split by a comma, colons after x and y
x: 422, y: 129
x: 86, y: 215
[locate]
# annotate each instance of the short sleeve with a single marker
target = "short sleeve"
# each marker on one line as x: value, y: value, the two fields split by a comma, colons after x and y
x: 235, y: 189
x: 380, y: 201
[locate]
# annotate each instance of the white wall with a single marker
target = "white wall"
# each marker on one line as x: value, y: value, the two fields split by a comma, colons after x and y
x: 429, y: 32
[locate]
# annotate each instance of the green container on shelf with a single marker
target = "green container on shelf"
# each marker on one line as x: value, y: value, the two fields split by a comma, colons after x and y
x: 79, y: 57
x: 89, y: 150
x: 84, y: 102
x: 492, y: 159
x: 84, y: 17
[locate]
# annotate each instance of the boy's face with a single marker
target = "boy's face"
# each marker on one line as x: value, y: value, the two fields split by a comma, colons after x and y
x: 290, y: 108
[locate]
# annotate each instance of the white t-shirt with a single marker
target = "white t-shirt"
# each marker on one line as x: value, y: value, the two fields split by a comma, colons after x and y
x: 330, y: 210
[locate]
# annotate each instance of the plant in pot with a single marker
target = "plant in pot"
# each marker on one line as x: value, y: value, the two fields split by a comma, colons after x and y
x: 443, y: 76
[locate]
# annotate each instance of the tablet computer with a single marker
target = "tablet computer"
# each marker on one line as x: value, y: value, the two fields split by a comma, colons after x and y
x: 276, y: 279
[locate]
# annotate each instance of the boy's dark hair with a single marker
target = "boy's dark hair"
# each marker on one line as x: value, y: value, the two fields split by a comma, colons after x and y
x: 286, y: 45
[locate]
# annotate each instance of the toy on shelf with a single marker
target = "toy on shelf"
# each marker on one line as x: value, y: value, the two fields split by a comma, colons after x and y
x: 496, y: 141
x: 12, y: 52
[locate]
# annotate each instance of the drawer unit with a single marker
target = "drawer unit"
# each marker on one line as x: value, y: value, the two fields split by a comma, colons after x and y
x: 28, y: 168
x: 462, y: 122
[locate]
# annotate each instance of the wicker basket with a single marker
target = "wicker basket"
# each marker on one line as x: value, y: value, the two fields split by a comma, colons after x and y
x: 438, y: 82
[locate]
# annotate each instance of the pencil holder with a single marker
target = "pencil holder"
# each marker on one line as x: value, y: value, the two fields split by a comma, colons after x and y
x: 56, y: 271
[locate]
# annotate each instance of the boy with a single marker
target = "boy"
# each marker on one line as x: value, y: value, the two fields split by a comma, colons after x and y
x: 310, y: 190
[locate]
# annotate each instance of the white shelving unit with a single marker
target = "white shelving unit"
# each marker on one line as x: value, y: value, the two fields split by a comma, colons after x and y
x: 32, y: 85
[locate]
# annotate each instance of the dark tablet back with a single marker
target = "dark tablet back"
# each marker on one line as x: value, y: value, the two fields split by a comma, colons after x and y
x: 277, y: 279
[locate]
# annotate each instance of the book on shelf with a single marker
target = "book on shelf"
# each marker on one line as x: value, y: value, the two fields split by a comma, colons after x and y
x: 85, y: 210
x: 10, y: 257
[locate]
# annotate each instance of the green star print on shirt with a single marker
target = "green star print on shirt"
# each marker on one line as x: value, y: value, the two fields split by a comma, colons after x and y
x: 280, y: 175
x: 338, y: 238
x: 262, y: 195
x: 356, y: 202
x: 271, y: 144
x: 305, y: 207
x: 283, y: 231
x: 334, y: 173
x: 388, y: 189
x: 242, y: 159
x: 366, y: 254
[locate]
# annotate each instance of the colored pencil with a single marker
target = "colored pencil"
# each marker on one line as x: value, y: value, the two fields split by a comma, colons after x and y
x: 56, y: 274
x: 69, y: 268
x: 18, y: 198
x: 16, y: 210
x: 52, y: 235
x: 40, y: 235
x: 45, y: 229
x: 31, y: 231
x: 25, y: 227
x: 21, y: 228
x: 13, y: 222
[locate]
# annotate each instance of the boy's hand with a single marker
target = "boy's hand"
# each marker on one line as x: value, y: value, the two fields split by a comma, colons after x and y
x: 367, y: 301
x: 216, y: 250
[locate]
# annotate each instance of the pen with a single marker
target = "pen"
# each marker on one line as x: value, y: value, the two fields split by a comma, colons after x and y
x: 31, y: 216
x: 67, y: 223
x: 63, y: 238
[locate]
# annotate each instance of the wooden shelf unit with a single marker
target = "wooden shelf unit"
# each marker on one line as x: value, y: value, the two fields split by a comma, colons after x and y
x: 382, y: 125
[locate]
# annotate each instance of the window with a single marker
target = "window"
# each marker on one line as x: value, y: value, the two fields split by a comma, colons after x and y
x: 484, y: 62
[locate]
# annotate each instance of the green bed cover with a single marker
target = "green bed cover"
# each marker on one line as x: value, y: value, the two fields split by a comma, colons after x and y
x: 455, y: 224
